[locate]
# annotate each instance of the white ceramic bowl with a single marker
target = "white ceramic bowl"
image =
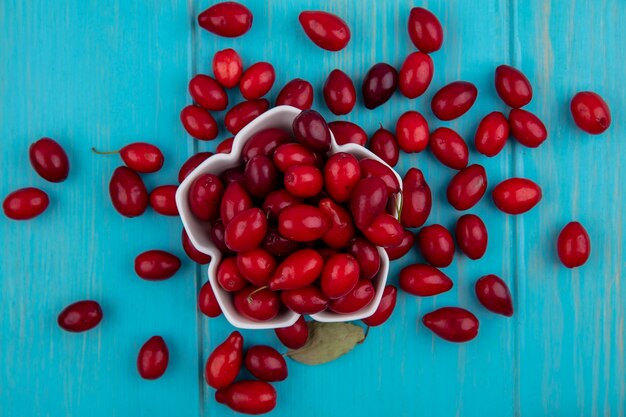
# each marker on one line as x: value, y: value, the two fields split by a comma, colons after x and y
x: 278, y: 117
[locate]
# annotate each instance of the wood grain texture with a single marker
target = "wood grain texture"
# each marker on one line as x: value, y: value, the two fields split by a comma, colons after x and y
x: 90, y: 75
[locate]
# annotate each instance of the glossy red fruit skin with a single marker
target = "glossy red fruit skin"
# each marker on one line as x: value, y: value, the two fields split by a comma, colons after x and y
x: 142, y: 157
x: 153, y: 358
x: 225, y: 146
x: 49, y: 160
x: 347, y: 132
x: 494, y: 295
x: 416, y: 74
x: 339, y: 92
x: 385, y: 308
x: 229, y: 19
x: 527, y: 128
x: 298, y: 270
x: 326, y: 30
x: 590, y: 112
x: 368, y: 201
x: 290, y: 154
x: 25, y: 203
x: 310, y: 129
x: 261, y: 306
x: 303, y: 181
x: 246, y: 230
x: 425, y: 30
x: 231, y: 175
x: 342, y: 173
x: 277, y: 201
x: 204, y: 197
x: 227, y: 67
x: 235, y: 199
x: 453, y: 100
x: 208, y: 93
x: 436, y: 244
x: 384, y: 145
x: 278, y: 245
x: 224, y: 363
x: 229, y: 277
x: 257, y: 266
x: 360, y: 296
x: 217, y: 233
x: 305, y: 300
x: 266, y: 364
x: 163, y: 200
x: 453, y: 324
x: 424, y: 280
x: 516, y: 195
x: 373, y: 168
x: 379, y: 84
x: 416, y: 199
x: 366, y: 255
x: 156, y: 265
x: 573, y: 245
x: 243, y: 113
x: 302, y: 223
x: 257, y: 80
x: 471, y: 236
x: 128, y: 192
x: 207, y: 303
x: 385, y: 230
x: 297, y: 93
x: 191, y: 164
x: 341, y: 229
x: 294, y: 336
x: 412, y: 132
x: 467, y: 187
x: 199, y: 123
x: 491, y: 134
x: 264, y: 143
x: 339, y: 276
x: 80, y: 316
x: 449, y: 148
x: 513, y: 87
x: 191, y: 251
x: 397, y: 252
x: 261, y: 176
x: 248, y: 397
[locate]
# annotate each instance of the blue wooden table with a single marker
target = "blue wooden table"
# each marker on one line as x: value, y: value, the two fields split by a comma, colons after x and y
x: 105, y: 74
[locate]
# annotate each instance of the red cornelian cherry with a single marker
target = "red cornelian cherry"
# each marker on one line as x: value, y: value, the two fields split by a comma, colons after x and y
x: 360, y: 296
x: 204, y: 197
x: 347, y: 132
x: 303, y: 181
x: 397, y: 252
x: 297, y: 93
x: 199, y: 123
x: 342, y: 173
x: 527, y: 128
x: 467, y: 187
x: 424, y: 280
x: 385, y: 230
x: 339, y: 92
x: 258, y: 304
x: 191, y: 164
x: 491, y: 134
x: 225, y: 146
x: 278, y: 245
x: 453, y: 100
x: 590, y: 112
x: 217, y: 233
x: 341, y: 229
x: 128, y: 192
x: 80, y: 316
x: 436, y: 244
x: 513, y: 87
x: 379, y: 84
x: 453, y: 324
x: 153, y: 358
x: 235, y: 199
x: 290, y: 154
x: 384, y: 145
x: 266, y: 364
x: 227, y: 67
x: 224, y: 363
x: 494, y: 295
x: 192, y: 252
x: 339, y: 276
x: 277, y: 201
x: 471, y: 236
x: 368, y: 201
x: 139, y: 156
x: 326, y: 30
x: 416, y: 74
x: 373, y: 168
x: 305, y: 300
x: 208, y: 93
x: 256, y: 265
x: 449, y: 148
x: 25, y: 203
x: 163, y: 200
x: 416, y: 199
x: 246, y: 230
x: 231, y: 175
x: 310, y: 129
x: 257, y: 80
x: 294, y: 336
x: 243, y: 113
x: 156, y: 265
x: 366, y: 255
x: 264, y: 143
x: 516, y: 195
x: 229, y: 277
x: 49, y: 160
x: 425, y: 30
x: 207, y: 303
x: 573, y: 245
x: 412, y: 132
x: 261, y: 176
x: 248, y: 397
x: 385, y: 308
x: 302, y: 223
x: 298, y: 270
x: 229, y: 19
